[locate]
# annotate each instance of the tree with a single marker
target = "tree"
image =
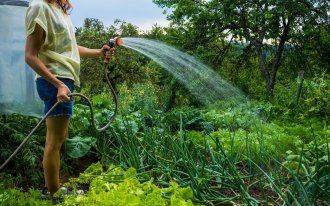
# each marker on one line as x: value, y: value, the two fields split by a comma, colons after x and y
x: 126, y: 63
x: 267, y: 25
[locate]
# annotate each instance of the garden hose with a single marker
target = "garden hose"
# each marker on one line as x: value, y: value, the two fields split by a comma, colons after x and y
x: 112, y: 43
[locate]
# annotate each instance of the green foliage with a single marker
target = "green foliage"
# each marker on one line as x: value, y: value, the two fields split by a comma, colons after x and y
x: 111, y: 187
x: 94, y: 35
x: 209, y: 149
x: 309, y: 172
x: 79, y: 146
x: 266, y: 26
x: 19, y: 198
x: 186, y: 118
x: 313, y: 102
x: 118, y: 187
x: 317, y: 96
x: 13, y: 129
x: 261, y: 153
x: 139, y: 97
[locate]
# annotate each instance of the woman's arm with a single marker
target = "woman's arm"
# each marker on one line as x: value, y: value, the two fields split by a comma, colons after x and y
x: 86, y: 52
x: 105, y: 51
x: 33, y: 44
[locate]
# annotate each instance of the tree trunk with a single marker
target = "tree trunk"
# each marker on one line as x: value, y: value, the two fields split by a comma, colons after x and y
x: 263, y: 68
x: 278, y: 56
x: 270, y: 76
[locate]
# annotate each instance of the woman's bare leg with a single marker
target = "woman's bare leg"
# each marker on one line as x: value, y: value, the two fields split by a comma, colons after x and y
x: 57, y: 131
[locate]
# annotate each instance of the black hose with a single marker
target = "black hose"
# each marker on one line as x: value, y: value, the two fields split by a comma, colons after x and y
x: 114, y: 97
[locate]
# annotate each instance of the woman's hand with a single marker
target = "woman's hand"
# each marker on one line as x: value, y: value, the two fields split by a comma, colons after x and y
x: 107, y: 53
x: 62, y: 93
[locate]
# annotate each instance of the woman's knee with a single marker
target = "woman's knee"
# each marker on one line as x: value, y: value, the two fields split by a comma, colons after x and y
x: 53, y: 145
x: 57, y: 131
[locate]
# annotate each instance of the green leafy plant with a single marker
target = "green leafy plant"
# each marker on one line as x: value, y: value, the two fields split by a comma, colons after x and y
x: 77, y: 147
x: 118, y: 187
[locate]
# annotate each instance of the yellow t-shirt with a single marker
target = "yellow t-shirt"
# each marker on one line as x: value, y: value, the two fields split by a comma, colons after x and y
x: 60, y: 50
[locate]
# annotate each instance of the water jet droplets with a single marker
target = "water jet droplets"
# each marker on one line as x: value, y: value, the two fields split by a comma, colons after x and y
x: 199, y: 79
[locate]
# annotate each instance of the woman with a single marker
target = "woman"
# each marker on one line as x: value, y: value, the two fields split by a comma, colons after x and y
x: 52, y: 52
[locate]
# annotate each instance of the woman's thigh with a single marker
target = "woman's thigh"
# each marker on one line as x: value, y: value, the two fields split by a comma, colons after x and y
x: 57, y: 130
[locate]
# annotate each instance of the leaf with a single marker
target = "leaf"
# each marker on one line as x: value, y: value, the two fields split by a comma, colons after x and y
x: 79, y: 146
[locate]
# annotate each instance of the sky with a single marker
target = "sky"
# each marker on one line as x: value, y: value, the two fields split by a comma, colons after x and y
x: 142, y: 13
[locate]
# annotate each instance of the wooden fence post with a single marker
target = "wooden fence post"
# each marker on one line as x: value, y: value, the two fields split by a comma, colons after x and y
x: 300, y: 84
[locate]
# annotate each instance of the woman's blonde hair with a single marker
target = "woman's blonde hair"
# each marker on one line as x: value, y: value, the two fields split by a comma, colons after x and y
x: 64, y: 6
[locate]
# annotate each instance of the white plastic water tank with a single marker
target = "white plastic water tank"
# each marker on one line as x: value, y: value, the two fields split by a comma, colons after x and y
x: 17, y: 86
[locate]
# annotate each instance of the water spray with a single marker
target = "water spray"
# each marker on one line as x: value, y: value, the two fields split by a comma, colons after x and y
x: 113, y: 43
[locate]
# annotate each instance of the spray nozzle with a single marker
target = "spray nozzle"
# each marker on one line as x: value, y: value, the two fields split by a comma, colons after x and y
x: 113, y: 42
x: 117, y: 41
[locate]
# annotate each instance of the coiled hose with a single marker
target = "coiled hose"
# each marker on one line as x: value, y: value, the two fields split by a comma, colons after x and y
x: 115, y: 100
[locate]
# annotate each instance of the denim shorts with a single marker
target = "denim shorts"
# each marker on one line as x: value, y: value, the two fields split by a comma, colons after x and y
x: 48, y: 93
